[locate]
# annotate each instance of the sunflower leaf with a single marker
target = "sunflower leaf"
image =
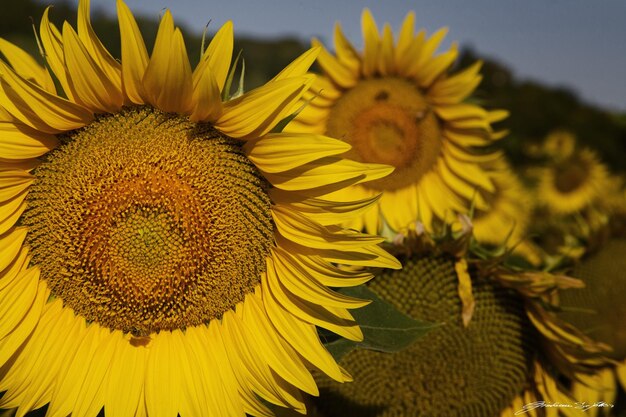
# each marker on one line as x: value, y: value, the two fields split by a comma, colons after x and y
x: 385, y: 329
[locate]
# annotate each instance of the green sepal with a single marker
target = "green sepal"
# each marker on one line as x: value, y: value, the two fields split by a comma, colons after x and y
x: 385, y: 329
x: 229, y: 79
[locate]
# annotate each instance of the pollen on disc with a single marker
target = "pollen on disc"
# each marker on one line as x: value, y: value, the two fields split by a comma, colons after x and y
x: 143, y: 221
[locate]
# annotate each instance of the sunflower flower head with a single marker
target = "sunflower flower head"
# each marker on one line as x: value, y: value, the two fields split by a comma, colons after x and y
x: 500, y: 344
x: 165, y: 251
x: 397, y: 103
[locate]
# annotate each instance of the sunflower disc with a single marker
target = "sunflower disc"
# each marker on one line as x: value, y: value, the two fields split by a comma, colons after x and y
x: 452, y: 371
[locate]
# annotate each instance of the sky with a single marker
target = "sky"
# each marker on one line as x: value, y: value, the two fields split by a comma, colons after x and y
x: 577, y: 44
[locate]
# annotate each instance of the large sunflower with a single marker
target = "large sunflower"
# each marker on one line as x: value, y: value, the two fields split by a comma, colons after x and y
x: 163, y: 253
x: 490, y: 359
x: 399, y: 105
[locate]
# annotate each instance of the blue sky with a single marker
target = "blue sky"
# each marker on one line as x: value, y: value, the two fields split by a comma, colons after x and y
x: 579, y: 44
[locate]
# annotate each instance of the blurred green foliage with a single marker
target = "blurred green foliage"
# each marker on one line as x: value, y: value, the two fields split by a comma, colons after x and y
x: 535, y: 109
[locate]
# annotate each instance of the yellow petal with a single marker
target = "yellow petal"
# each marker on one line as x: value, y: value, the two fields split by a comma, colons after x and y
x: 326, y: 273
x: 212, y: 372
x: 37, y: 108
x: 346, y: 54
x: 465, y: 291
x: 436, y: 66
x: 371, y: 41
x: 299, y: 66
x: 26, y: 362
x: 10, y: 245
x: 386, y: 64
x: 10, y: 343
x: 163, y: 379
x: 18, y: 141
x: 17, y: 298
x: 26, y: 66
x: 460, y: 111
x: 168, y: 78
x: 52, y: 42
x: 426, y: 51
x: 456, y: 88
x: 239, y: 390
x: 370, y: 255
x: 12, y: 271
x: 125, y: 379
x: 281, y: 152
x: 207, y: 102
x: 217, y: 56
x: 324, y: 212
x: 71, y: 379
x: 329, y: 171
x: 337, y: 320
x: 57, y: 349
x: 91, y: 394
x: 250, y: 368
x: 298, y: 280
x: 257, y: 112
x: 303, y: 231
x: 334, y: 69
x: 405, y: 39
x: 109, y: 66
x: 92, y: 87
x: 134, y: 55
x: 300, y: 334
x: 194, y: 400
x: 279, y: 355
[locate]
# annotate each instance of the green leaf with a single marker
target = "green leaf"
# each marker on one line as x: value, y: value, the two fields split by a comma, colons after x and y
x: 385, y: 329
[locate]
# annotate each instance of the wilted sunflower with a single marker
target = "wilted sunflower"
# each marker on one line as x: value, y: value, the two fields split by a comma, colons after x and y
x: 491, y: 365
x: 398, y: 105
x: 163, y: 253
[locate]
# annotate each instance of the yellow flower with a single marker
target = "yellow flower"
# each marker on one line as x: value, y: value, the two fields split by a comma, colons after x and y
x: 571, y: 184
x: 505, y: 220
x: 162, y: 252
x: 398, y: 105
x: 489, y: 366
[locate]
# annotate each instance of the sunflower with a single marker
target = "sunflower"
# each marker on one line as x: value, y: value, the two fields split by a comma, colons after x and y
x: 506, y: 220
x: 570, y: 184
x: 509, y: 352
x: 164, y: 251
x: 399, y: 105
